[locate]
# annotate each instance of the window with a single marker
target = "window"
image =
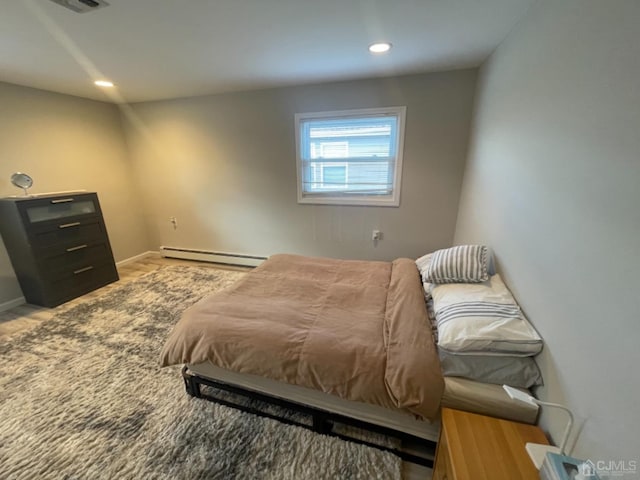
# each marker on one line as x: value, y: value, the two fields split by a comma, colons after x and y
x: 350, y: 157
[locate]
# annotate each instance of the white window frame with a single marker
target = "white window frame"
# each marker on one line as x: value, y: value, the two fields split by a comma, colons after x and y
x: 392, y: 200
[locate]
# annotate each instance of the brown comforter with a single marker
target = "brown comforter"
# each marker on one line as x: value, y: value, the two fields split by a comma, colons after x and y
x: 355, y: 329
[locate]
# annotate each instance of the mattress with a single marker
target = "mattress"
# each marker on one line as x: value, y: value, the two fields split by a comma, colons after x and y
x: 459, y: 393
x: 354, y: 329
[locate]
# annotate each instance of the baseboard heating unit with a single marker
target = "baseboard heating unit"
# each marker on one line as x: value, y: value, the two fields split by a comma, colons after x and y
x: 213, y: 257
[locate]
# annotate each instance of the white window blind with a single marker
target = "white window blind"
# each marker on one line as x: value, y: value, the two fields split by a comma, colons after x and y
x: 350, y: 157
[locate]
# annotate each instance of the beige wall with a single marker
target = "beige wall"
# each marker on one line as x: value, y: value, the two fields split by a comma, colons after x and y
x: 552, y: 184
x: 224, y: 165
x: 68, y: 143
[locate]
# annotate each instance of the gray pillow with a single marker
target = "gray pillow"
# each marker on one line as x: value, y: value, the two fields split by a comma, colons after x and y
x: 461, y: 264
x: 521, y: 372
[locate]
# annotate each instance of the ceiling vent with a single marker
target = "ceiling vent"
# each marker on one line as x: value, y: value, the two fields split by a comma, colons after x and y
x: 81, y: 6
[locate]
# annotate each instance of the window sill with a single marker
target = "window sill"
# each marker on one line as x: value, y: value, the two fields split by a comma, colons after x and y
x: 361, y: 202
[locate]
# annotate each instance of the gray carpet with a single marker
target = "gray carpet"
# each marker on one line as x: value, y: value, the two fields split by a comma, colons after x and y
x: 82, y: 397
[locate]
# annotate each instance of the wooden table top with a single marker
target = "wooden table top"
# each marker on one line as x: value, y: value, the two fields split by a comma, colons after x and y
x: 482, y: 447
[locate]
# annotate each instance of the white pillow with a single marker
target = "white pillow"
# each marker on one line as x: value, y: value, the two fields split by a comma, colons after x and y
x: 482, y: 318
x: 423, y: 266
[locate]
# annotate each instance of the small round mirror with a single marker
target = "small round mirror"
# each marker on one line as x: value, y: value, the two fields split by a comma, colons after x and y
x: 22, y: 180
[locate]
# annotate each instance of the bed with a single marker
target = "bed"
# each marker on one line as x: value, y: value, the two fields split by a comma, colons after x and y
x: 346, y: 341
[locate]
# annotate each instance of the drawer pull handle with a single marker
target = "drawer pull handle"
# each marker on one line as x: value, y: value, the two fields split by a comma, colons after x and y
x: 79, y: 247
x: 67, y: 225
x: 82, y: 270
x: 62, y: 200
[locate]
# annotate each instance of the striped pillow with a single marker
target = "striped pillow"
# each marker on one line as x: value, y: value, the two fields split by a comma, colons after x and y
x: 462, y: 264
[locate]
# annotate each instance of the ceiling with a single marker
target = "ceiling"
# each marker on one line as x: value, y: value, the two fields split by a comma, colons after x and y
x: 158, y: 49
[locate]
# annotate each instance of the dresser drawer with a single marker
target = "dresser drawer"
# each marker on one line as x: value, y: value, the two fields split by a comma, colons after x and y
x: 59, y: 208
x: 74, y: 258
x: 78, y: 282
x: 67, y: 234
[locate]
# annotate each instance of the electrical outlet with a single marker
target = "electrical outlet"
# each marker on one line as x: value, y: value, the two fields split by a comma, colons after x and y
x: 174, y: 222
x: 376, y: 235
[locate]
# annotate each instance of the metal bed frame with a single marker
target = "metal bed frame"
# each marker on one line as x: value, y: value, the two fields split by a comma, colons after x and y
x: 322, y: 420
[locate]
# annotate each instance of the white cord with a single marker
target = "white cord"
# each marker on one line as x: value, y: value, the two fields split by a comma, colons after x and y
x: 567, y: 430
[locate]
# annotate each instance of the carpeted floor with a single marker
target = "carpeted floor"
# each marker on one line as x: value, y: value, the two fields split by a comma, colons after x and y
x: 82, y: 397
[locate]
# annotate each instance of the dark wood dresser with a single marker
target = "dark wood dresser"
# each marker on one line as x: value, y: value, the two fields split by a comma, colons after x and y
x: 58, y: 245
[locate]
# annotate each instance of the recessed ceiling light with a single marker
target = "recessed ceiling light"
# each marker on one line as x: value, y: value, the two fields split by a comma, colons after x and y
x: 104, y: 83
x: 379, y: 47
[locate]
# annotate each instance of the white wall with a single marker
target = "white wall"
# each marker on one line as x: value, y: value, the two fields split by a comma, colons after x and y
x: 68, y: 143
x: 224, y: 165
x: 553, y: 185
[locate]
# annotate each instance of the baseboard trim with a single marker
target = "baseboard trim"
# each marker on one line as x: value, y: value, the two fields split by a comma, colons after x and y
x: 16, y: 302
x: 135, y: 258
x: 226, y: 258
